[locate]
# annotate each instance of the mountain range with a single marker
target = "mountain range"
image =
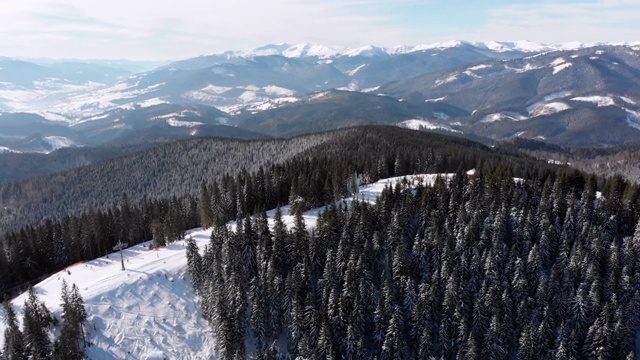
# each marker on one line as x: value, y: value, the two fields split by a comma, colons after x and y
x: 569, y: 94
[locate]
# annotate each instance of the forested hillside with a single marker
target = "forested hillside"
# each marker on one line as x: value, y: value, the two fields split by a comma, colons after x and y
x: 177, y: 169
x: 161, y: 192
x: 173, y: 169
x: 522, y: 259
x: 20, y: 166
x: 480, y: 268
x: 599, y: 160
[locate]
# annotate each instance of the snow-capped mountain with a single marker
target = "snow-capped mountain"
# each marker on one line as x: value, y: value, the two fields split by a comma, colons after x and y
x: 581, y: 97
x: 491, y: 80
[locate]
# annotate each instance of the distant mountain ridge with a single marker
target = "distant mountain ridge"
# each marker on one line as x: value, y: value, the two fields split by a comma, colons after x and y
x: 327, y: 52
x: 489, y: 90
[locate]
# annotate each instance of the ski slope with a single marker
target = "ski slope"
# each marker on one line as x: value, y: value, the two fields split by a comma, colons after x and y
x: 149, y: 310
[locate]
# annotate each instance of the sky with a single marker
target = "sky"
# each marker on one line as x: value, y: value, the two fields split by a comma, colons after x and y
x: 178, y: 29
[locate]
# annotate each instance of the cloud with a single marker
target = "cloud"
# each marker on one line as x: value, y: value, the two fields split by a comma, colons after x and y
x: 174, y: 29
x: 177, y: 29
x: 554, y: 22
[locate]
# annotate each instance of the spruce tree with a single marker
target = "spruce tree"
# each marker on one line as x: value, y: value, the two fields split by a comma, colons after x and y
x: 36, y: 321
x: 14, y: 343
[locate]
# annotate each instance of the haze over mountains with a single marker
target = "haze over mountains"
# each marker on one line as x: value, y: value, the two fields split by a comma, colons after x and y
x: 570, y: 94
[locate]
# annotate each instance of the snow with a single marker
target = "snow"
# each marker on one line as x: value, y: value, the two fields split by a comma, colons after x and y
x: 366, y: 51
x: 633, y: 119
x: 450, y: 78
x: 352, y: 86
x: 366, y: 193
x: 472, y: 74
x: 372, y: 89
x: 152, y: 102
x: 179, y: 123
x: 479, y: 67
x: 436, y: 46
x: 319, y: 95
x: 215, y: 89
x: 522, y: 45
x: 557, y: 95
x: 436, y: 99
x: 92, y: 118
x: 59, y: 142
x: 248, y: 96
x: 270, y: 104
x: 503, y: 116
x: 149, y: 310
x: 418, y: 124
x: 574, y: 45
x: 326, y: 52
x: 4, y: 149
x: 527, y: 67
x: 278, y: 91
x: 561, y: 67
x: 627, y: 100
x: 208, y: 94
x: 96, y: 100
x: 48, y: 99
x: 598, y: 100
x: 540, y: 109
x: 354, y: 71
x: 319, y: 51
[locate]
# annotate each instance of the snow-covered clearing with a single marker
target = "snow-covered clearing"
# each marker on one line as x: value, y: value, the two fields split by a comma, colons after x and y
x: 4, y: 149
x: 179, y: 123
x: 366, y: 193
x: 59, y: 142
x: 451, y: 78
x: 558, y: 68
x: 540, y: 109
x: 633, y: 119
x: 627, y: 100
x: 152, y: 102
x: 417, y: 124
x: 149, y: 311
x: 502, y: 117
x: 598, y: 100
x: 354, y: 71
x: 278, y: 91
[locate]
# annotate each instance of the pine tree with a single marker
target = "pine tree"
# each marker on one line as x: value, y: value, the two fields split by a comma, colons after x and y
x: 74, y: 314
x: 36, y: 320
x: 14, y: 343
x: 195, y: 264
x: 204, y: 208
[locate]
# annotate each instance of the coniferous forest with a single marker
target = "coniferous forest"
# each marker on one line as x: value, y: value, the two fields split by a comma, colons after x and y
x: 484, y: 266
x: 318, y: 174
